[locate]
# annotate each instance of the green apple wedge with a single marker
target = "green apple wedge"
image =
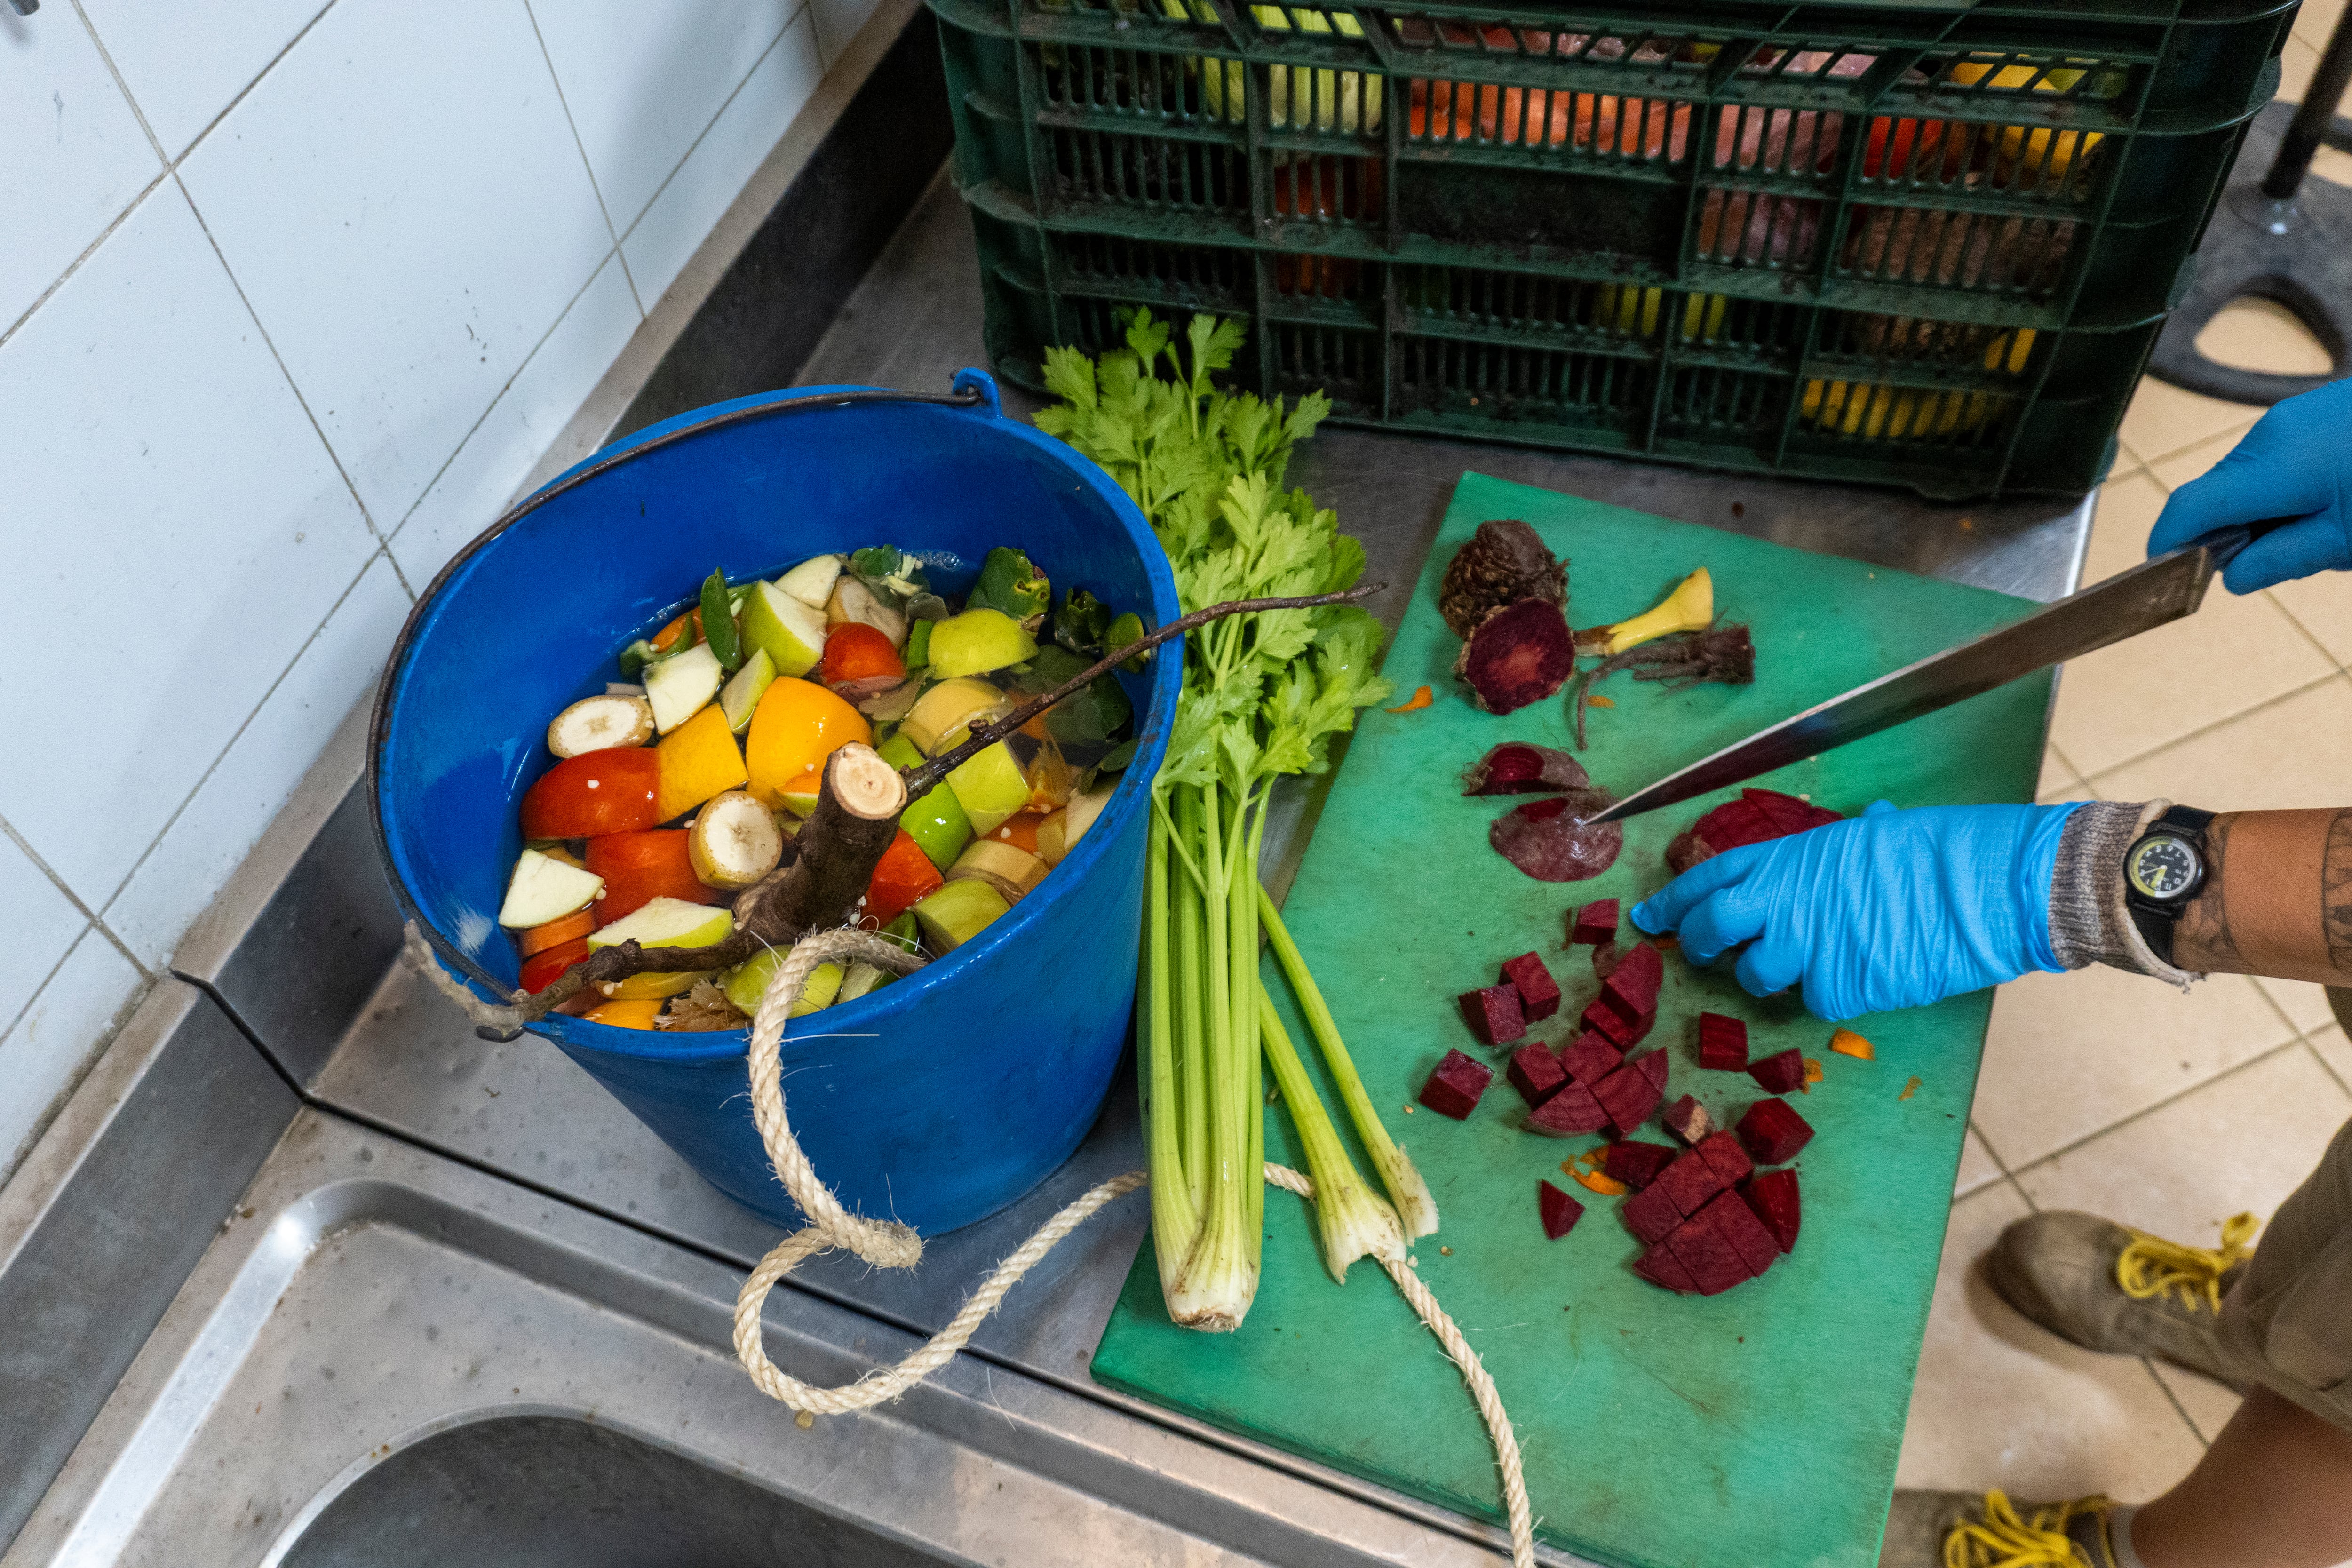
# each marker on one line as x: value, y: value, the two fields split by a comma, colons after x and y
x: 936, y: 823
x: 744, y: 689
x: 790, y: 633
x: 990, y: 788
x: 955, y: 912
x: 679, y: 687
x: 544, y: 888
x: 663, y: 922
x: 748, y: 982
x: 978, y: 641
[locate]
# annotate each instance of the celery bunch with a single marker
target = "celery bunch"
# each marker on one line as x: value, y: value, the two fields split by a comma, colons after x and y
x: 1263, y: 694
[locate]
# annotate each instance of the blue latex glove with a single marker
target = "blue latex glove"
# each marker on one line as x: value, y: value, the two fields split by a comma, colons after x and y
x: 1890, y: 909
x: 2295, y: 462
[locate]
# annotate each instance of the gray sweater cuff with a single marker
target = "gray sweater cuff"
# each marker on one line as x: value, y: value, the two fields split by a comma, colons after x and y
x: 2088, y: 922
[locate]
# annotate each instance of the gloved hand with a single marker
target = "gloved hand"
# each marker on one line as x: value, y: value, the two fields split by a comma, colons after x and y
x: 1890, y: 909
x: 2295, y: 462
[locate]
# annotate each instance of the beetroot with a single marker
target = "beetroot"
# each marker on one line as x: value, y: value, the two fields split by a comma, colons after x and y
x: 1536, y: 1073
x: 1653, y: 1068
x: 1603, y: 1020
x: 1689, y: 1182
x: 1737, y: 1224
x: 1772, y: 1194
x: 1722, y: 1151
x: 1772, y: 1132
x: 1589, y: 1058
x: 1659, y: 1266
x: 1538, y: 992
x: 1595, y: 924
x: 1606, y: 957
x: 1561, y: 1212
x: 1722, y: 1043
x: 1650, y: 1214
x: 1757, y: 816
x: 1627, y: 1096
x: 1713, y: 1263
x: 1517, y: 655
x: 1454, y: 1086
x: 1550, y: 840
x: 1687, y: 1120
x: 1783, y: 1072
x: 1632, y: 989
x: 1635, y: 1163
x: 1505, y: 562
x: 1494, y: 1014
x: 1516, y: 768
x: 1568, y: 1113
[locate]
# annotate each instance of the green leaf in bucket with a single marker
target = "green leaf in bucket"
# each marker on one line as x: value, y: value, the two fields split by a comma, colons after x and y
x: 719, y: 622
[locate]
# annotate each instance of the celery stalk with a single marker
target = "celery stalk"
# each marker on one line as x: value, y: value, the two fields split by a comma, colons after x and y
x: 1174, y: 1212
x: 1355, y: 1221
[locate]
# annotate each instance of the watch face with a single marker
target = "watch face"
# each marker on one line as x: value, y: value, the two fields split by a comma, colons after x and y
x: 2162, y: 867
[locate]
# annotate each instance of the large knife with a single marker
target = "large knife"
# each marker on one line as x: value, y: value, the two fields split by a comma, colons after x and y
x: 2149, y: 596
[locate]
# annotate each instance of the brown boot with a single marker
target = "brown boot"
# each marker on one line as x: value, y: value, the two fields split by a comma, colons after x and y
x: 1963, y: 1530
x: 2110, y: 1288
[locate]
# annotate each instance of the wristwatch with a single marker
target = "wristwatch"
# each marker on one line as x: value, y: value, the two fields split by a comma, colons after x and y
x: 2163, y: 869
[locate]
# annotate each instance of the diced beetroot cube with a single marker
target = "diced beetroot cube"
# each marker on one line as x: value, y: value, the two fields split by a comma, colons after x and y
x: 1589, y: 1058
x: 1628, y: 1097
x: 1650, y: 1214
x: 1653, y: 1068
x: 1595, y: 924
x: 1494, y: 1014
x: 1538, y: 993
x: 1562, y: 1212
x: 1713, y: 1263
x: 1635, y: 1163
x: 1722, y: 1151
x: 1659, y: 1266
x: 1567, y: 1114
x: 1622, y: 1033
x: 1778, y: 1073
x: 1453, y: 1088
x: 1772, y: 1194
x: 1536, y: 1073
x: 1687, y: 1120
x: 1772, y: 1131
x: 1722, y: 1043
x: 1632, y: 989
x: 1690, y: 1182
x: 1737, y: 1224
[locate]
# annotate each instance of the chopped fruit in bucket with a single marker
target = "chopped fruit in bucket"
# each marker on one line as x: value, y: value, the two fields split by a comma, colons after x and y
x: 904, y: 876
x: 1846, y: 1043
x: 600, y: 723
x: 698, y: 760
x: 1558, y: 1212
x: 638, y: 868
x: 542, y: 889
x: 1454, y: 1086
x: 555, y: 933
x: 615, y: 791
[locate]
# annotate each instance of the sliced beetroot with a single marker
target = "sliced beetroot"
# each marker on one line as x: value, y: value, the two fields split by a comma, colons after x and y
x: 1757, y: 816
x: 1722, y: 1151
x: 1505, y: 562
x: 1650, y: 1214
x: 1783, y: 1072
x: 1689, y: 1182
x: 1595, y: 924
x: 1653, y: 1068
x: 1602, y: 1019
x: 1517, y: 655
x: 1516, y: 767
x: 1589, y: 1058
x: 1454, y: 1086
x: 1722, y: 1043
x: 1659, y: 1266
x: 1606, y: 957
x: 1713, y: 1263
x: 1687, y: 1120
x: 1627, y: 1096
x: 1550, y: 841
x: 1536, y: 1073
x: 1494, y: 1014
x: 1562, y: 1212
x: 1635, y: 1163
x: 1772, y: 1132
x: 1737, y: 1224
x: 1632, y: 989
x: 1569, y: 1113
x: 1772, y: 1194
x: 1538, y: 992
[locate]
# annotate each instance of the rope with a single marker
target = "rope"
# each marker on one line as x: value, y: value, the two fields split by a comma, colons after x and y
x: 2005, y: 1539
x: 2150, y: 1266
x: 889, y: 1244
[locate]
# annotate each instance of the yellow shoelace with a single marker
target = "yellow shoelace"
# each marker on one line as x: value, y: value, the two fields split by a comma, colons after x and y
x: 2150, y: 1266
x: 2003, y: 1540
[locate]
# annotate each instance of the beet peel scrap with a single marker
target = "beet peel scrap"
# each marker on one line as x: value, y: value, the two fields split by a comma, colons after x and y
x: 1561, y: 1212
x: 1519, y: 653
x: 1550, y: 840
x: 1454, y: 1086
x: 1772, y: 1132
x: 1773, y: 1195
x: 1516, y: 767
x: 1505, y: 562
x: 1757, y: 816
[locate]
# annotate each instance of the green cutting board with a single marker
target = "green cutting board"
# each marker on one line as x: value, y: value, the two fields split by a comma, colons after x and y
x: 1759, y: 1427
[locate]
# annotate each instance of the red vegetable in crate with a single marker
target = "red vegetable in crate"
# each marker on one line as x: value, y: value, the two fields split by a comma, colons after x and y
x: 1757, y: 816
x: 1737, y: 1224
x: 1494, y: 1014
x: 1454, y: 1086
x: 1516, y: 768
x: 1636, y: 1164
x: 1595, y: 924
x: 1505, y: 562
x: 1538, y: 993
x: 1772, y: 1132
x: 1550, y: 841
x: 1773, y: 1195
x: 1536, y: 1073
x: 1627, y: 1096
x: 1632, y: 989
x: 1722, y: 1043
x: 1689, y: 1182
x: 612, y: 791
x: 1687, y: 1120
x: 1659, y: 1266
x: 1519, y: 653
x: 1783, y: 1072
x: 1569, y: 1113
x: 1650, y: 1214
x: 1560, y: 1212
x: 1589, y: 1058
x: 639, y: 868
x: 1730, y: 1161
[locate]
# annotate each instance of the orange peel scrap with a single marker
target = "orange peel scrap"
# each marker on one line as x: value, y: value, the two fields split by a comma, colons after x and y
x: 1593, y: 1181
x: 1596, y: 700
x: 1909, y: 1090
x: 1420, y: 699
x: 1846, y: 1043
x: 1812, y: 1074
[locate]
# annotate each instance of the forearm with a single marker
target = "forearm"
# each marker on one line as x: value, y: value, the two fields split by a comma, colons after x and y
x: 2278, y: 899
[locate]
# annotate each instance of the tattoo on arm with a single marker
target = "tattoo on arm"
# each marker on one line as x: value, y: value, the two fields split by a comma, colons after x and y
x: 2336, y: 891
x: 2202, y: 940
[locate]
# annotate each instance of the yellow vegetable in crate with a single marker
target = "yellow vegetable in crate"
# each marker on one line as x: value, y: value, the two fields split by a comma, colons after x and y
x: 1877, y: 412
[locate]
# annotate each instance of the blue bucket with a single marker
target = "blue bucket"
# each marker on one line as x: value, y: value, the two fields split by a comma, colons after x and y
x: 938, y: 1099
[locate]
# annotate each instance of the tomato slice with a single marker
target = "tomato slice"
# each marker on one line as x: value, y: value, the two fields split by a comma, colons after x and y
x: 903, y: 875
x: 639, y: 868
x: 543, y: 968
x: 598, y: 793
x: 855, y: 651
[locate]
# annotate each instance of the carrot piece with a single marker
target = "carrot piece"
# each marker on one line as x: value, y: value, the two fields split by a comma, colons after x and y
x: 1812, y: 1074
x: 1909, y: 1090
x: 1021, y: 831
x: 904, y: 875
x: 1846, y: 1043
x: 633, y: 1013
x: 556, y: 932
x: 681, y: 633
x: 1607, y: 1186
x: 1594, y: 699
x: 1419, y: 700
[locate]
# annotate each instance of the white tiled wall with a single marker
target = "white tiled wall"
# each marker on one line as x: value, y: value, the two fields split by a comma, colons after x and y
x: 293, y: 293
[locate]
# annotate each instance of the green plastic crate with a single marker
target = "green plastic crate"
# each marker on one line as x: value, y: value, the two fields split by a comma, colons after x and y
x: 1921, y: 245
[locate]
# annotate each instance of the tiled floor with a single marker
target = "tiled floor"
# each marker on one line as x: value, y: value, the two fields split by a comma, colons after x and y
x: 2111, y: 1093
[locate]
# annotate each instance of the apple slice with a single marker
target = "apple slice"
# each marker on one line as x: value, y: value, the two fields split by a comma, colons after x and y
x: 790, y: 633
x: 812, y: 581
x: 854, y: 601
x: 544, y: 888
x: 748, y: 982
x: 990, y: 788
x: 740, y: 696
x: 862, y: 980
x: 956, y: 912
x: 1010, y: 870
x: 978, y: 641
x: 734, y: 842
x: 1059, y: 833
x: 946, y: 711
x: 682, y: 685
x: 663, y: 922
x: 601, y: 723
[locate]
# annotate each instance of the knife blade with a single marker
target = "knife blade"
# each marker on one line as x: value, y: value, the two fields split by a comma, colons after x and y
x: 2150, y: 595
